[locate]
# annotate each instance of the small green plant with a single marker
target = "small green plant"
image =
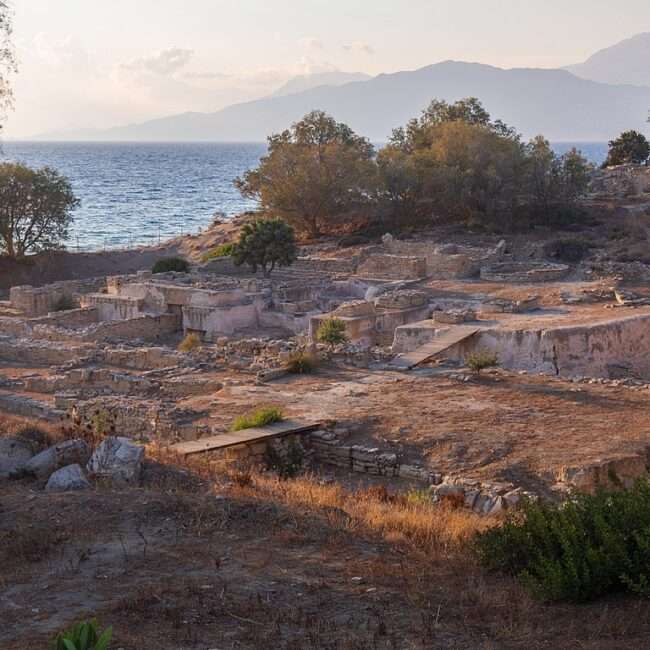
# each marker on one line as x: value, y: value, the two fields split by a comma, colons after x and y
x: 332, y: 332
x: 191, y: 342
x: 258, y: 418
x: 168, y: 264
x: 83, y: 636
x: 418, y: 497
x: 301, y: 363
x: 578, y: 550
x: 224, y: 250
x: 287, y: 464
x: 480, y: 360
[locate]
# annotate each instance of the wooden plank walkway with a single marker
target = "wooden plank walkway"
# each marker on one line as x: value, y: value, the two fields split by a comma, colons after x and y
x: 233, y: 438
x: 446, y: 340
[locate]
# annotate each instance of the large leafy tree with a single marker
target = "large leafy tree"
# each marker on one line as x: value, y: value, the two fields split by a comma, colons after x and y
x: 455, y: 163
x: 316, y: 175
x: 265, y: 244
x: 35, y: 209
x: 629, y: 147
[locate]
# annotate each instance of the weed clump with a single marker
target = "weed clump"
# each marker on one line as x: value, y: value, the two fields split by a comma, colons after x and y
x: 225, y: 250
x: 259, y: 418
x: 332, y: 332
x: 301, y: 363
x: 577, y: 551
x: 190, y: 343
x: 481, y: 360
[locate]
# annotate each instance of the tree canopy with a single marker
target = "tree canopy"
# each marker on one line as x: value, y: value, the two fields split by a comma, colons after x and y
x: 315, y: 174
x: 265, y: 244
x: 629, y: 147
x: 35, y: 209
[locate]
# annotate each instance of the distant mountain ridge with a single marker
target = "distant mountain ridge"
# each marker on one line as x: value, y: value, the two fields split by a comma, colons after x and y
x: 307, y: 82
x: 555, y: 103
x: 627, y: 62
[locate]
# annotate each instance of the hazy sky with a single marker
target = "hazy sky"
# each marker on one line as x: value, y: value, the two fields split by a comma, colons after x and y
x: 100, y: 63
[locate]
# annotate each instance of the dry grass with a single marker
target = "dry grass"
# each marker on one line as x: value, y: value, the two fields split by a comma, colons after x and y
x: 429, y: 528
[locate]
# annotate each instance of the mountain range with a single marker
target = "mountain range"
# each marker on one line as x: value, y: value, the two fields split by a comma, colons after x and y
x: 592, y: 101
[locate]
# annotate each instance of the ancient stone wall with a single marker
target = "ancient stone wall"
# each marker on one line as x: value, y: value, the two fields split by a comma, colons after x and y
x: 392, y: 267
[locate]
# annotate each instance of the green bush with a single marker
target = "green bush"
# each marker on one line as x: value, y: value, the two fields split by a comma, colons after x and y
x: 225, y: 250
x: 177, y: 264
x: 582, y: 549
x: 332, y: 332
x: 481, y: 360
x: 83, y: 636
x: 258, y: 418
x: 567, y: 250
x: 301, y: 363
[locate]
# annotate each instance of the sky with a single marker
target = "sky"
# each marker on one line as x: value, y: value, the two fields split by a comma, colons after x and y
x: 103, y: 63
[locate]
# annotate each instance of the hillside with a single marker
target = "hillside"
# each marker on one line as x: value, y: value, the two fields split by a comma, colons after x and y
x: 623, y: 63
x: 553, y: 102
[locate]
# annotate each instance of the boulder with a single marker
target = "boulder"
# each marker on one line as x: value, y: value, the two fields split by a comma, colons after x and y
x: 118, y: 459
x: 66, y: 453
x: 14, y: 454
x: 67, y: 479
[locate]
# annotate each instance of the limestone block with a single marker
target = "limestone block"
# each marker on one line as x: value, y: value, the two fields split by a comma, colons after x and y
x: 67, y: 479
x: 14, y: 454
x: 66, y: 453
x: 118, y: 459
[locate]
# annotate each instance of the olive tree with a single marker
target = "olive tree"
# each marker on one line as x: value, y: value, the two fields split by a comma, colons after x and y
x: 265, y: 244
x: 35, y: 209
x: 316, y: 174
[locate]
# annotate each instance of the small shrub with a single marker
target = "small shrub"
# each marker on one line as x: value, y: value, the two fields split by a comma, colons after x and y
x: 84, y: 636
x: 225, y: 250
x: 301, y: 363
x: 258, y: 418
x: 168, y: 264
x: 567, y: 250
x: 242, y: 478
x: 65, y: 303
x: 286, y: 465
x: 190, y: 343
x: 481, y: 360
x: 579, y: 550
x: 332, y: 332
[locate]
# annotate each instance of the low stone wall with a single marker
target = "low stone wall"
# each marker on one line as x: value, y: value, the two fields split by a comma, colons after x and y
x: 41, y: 353
x: 524, y: 272
x: 145, y: 328
x: 71, y: 319
x: 143, y: 358
x: 91, y: 379
x: 29, y: 408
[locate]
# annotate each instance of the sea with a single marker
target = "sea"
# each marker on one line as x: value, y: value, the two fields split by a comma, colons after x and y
x: 135, y: 194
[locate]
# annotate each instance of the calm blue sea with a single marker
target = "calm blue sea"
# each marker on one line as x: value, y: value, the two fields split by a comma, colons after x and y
x: 134, y: 194
x: 138, y: 193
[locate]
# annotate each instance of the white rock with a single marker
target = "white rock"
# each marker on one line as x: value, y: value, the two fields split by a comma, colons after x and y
x: 66, y: 479
x: 14, y: 454
x: 118, y: 459
x: 65, y: 453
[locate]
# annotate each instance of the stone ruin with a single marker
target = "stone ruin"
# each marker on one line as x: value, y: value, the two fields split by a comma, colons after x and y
x: 622, y: 181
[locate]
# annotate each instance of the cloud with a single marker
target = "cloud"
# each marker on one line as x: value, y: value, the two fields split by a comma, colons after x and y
x: 360, y: 47
x: 311, y: 43
x: 165, y: 63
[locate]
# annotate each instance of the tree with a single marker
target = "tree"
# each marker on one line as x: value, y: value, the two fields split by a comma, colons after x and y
x: 315, y: 175
x: 332, y: 332
x: 266, y: 244
x: 35, y: 209
x: 7, y: 59
x: 629, y: 147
